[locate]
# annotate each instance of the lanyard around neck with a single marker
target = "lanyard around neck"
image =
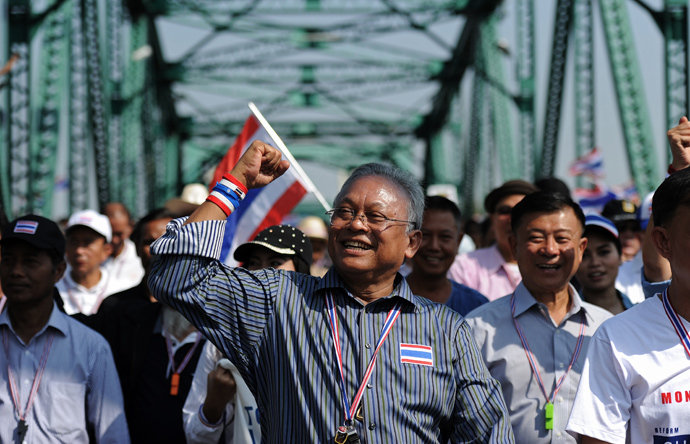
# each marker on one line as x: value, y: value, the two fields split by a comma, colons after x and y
x: 14, y: 391
x: 175, y: 378
x: 350, y: 410
x: 188, y: 356
x: 532, y: 361
x: 676, y: 322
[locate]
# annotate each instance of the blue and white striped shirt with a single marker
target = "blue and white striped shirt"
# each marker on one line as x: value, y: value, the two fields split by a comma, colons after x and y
x: 273, y: 325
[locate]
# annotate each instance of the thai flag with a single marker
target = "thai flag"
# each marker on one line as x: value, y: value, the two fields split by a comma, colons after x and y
x: 594, y: 199
x: 627, y: 191
x: 262, y: 207
x: 416, y: 354
x: 591, y: 164
x: 26, y: 227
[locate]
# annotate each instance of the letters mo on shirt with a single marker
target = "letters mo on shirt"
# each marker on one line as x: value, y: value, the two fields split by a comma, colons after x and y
x: 675, y: 397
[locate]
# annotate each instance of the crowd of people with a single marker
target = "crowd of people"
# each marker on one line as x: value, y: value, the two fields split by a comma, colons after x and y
x: 367, y: 326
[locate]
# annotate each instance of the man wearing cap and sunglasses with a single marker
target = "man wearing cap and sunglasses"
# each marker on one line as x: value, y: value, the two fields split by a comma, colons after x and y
x: 61, y: 384
x: 351, y: 357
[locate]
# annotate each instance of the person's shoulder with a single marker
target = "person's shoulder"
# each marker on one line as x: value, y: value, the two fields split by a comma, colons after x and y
x: 440, y: 311
x: 467, y: 291
x: 478, y: 254
x: 596, y: 314
x: 82, y: 335
x: 631, y: 319
x: 493, y: 313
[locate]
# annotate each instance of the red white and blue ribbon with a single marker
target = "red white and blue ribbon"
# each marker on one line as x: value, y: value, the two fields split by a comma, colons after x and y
x: 188, y: 356
x: 677, y: 323
x: 14, y: 391
x: 532, y: 361
x: 351, y: 409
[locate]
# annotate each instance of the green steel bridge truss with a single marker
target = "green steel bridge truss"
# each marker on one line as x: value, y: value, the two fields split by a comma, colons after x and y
x: 93, y: 104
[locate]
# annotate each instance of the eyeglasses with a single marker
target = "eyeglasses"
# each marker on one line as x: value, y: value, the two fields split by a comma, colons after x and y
x: 373, y: 219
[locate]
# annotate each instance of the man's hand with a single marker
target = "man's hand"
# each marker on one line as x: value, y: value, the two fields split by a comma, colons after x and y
x: 679, y: 139
x: 220, y: 390
x: 260, y: 165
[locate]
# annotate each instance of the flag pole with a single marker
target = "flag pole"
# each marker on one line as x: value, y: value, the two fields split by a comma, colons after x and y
x: 288, y: 154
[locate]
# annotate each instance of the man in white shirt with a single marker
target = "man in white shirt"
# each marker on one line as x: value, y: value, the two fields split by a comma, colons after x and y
x: 123, y: 264
x: 636, y: 377
x: 86, y: 283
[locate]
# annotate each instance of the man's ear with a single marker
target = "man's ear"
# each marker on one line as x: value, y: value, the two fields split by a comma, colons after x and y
x: 59, y: 271
x: 462, y: 234
x: 583, y: 246
x: 661, y: 241
x: 512, y: 239
x: 415, y: 242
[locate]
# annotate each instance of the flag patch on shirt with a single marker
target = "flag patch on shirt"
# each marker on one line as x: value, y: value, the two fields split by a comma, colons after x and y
x: 416, y: 354
x: 26, y: 226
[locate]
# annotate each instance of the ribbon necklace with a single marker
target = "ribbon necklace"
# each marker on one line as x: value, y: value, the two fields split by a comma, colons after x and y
x: 22, y: 426
x: 676, y: 322
x: 350, y: 410
x: 548, y: 410
x: 175, y: 379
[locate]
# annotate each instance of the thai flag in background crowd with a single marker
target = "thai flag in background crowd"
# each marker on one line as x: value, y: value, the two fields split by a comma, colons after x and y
x: 591, y: 164
x: 594, y: 199
x: 262, y: 207
x: 627, y: 191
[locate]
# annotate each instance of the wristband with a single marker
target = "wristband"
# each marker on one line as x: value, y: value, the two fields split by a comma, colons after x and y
x: 240, y: 189
x: 225, y: 197
x: 208, y: 423
x: 221, y: 202
x: 227, y: 194
x: 671, y: 170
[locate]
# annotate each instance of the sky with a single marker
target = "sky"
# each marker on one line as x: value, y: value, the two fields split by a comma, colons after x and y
x: 608, y: 130
x: 609, y: 136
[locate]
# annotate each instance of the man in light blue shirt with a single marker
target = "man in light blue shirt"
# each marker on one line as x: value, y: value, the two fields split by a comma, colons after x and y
x: 58, y: 381
x: 534, y: 341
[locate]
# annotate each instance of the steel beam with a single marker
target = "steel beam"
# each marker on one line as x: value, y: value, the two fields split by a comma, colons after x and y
x: 584, y: 79
x: 632, y: 105
x: 552, y: 118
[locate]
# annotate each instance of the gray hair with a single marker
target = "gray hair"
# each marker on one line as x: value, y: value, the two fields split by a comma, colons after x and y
x: 401, y: 178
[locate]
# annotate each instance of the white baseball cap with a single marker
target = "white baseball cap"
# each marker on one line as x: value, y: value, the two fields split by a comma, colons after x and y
x: 94, y: 220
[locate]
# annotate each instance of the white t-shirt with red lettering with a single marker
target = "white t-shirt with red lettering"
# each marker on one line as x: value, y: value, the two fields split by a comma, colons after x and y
x: 637, y: 376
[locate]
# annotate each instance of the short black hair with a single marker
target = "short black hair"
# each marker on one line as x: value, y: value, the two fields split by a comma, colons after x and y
x: 544, y: 202
x: 671, y: 194
x: 553, y: 184
x: 440, y: 203
x: 157, y: 214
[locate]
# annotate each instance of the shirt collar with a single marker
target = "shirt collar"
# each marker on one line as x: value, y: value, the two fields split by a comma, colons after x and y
x: 524, y: 300
x: 57, y: 320
x: 497, y: 260
x: 400, y: 288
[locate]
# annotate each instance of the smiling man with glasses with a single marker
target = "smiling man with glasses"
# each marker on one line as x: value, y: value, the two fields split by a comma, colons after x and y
x: 351, y: 357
